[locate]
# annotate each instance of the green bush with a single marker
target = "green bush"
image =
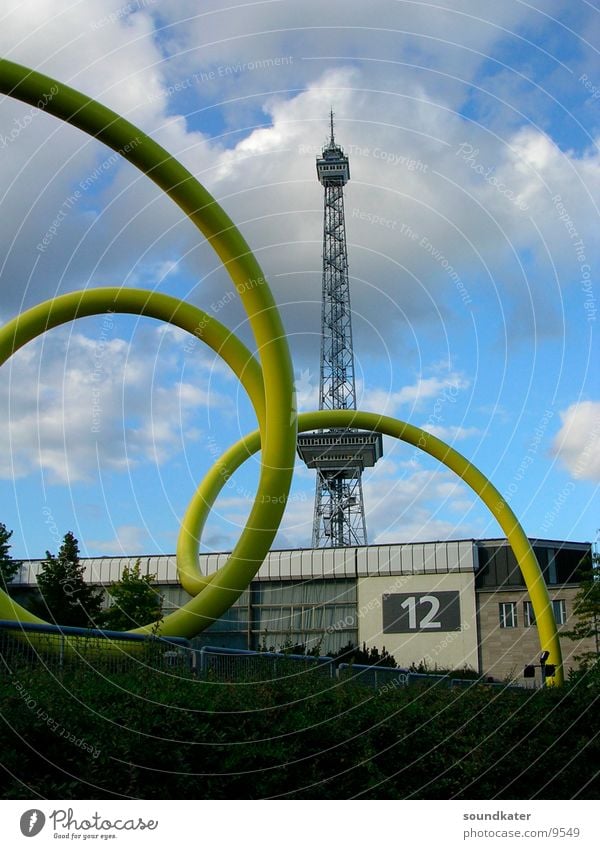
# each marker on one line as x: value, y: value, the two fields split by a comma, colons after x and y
x: 161, y: 734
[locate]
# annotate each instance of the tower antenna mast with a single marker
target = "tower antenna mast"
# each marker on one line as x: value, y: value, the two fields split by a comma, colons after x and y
x: 338, y: 455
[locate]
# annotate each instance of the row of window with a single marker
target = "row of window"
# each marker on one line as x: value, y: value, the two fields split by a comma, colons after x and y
x: 498, y: 565
x: 509, y: 619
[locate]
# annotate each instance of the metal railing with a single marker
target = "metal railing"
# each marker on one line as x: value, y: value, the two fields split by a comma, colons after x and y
x: 388, y: 677
x: 59, y: 646
x: 245, y: 665
x: 374, y: 676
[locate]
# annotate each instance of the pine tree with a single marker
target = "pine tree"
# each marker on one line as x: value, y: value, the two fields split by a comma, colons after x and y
x: 586, y: 609
x: 8, y: 566
x: 134, y: 601
x: 65, y: 594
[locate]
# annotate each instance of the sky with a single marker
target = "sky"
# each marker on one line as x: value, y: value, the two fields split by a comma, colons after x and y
x: 472, y: 219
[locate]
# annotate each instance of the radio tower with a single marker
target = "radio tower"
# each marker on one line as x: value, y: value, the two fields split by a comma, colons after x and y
x: 339, y: 456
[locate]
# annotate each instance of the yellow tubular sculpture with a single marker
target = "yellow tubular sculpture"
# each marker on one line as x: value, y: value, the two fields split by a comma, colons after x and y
x: 45, y: 316
x: 268, y: 382
x: 204, y: 497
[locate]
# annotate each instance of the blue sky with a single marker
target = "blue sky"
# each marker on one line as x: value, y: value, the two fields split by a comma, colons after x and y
x: 472, y: 221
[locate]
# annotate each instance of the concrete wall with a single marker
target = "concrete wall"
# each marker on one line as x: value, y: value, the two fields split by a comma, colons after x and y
x: 436, y: 646
x: 506, y: 651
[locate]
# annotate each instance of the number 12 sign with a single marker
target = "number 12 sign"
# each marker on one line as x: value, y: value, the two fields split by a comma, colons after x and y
x: 405, y: 613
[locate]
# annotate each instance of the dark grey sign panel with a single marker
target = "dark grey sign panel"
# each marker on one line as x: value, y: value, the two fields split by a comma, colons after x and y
x: 407, y: 613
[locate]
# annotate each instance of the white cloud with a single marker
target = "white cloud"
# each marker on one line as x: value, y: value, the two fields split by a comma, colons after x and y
x: 413, y: 508
x: 78, y: 404
x: 443, y: 389
x: 307, y: 389
x: 408, y: 509
x: 128, y: 540
x: 402, y: 41
x: 440, y: 255
x: 451, y: 432
x: 577, y: 443
x: 266, y: 177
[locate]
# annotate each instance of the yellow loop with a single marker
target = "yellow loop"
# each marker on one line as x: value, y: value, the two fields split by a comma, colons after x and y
x: 50, y: 314
x: 277, y: 418
x: 205, y: 495
x: 280, y: 419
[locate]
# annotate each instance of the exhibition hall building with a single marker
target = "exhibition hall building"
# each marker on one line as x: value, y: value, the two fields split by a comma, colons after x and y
x: 444, y: 605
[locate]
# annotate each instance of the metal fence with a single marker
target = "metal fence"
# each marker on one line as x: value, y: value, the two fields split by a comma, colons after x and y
x: 389, y: 677
x: 58, y: 647
x: 465, y: 683
x: 373, y: 676
x: 61, y: 646
x: 243, y: 665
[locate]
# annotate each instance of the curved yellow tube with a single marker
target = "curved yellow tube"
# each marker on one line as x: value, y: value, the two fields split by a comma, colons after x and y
x: 270, y: 387
x: 280, y: 419
x: 30, y: 324
x: 201, y: 503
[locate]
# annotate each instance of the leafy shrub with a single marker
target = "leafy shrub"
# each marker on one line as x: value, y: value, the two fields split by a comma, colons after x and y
x: 157, y: 733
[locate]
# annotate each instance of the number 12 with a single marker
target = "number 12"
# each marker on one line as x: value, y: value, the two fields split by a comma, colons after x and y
x: 428, y: 620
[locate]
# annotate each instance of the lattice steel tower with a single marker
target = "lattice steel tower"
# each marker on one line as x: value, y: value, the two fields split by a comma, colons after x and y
x: 339, y: 456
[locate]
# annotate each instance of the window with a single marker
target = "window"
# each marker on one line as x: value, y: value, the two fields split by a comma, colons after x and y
x: 570, y: 562
x: 498, y: 567
x: 559, y: 608
x: 528, y: 614
x: 552, y: 578
x: 508, y: 614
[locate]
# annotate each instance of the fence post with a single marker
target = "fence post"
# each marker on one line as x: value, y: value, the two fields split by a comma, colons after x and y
x: 202, y: 660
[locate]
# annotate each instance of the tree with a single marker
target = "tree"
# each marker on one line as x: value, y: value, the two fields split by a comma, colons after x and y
x: 586, y: 609
x: 65, y: 594
x: 134, y: 601
x: 290, y: 647
x: 368, y: 657
x: 8, y: 566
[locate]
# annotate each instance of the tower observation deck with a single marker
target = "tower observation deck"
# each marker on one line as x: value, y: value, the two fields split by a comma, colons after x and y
x: 338, y: 455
